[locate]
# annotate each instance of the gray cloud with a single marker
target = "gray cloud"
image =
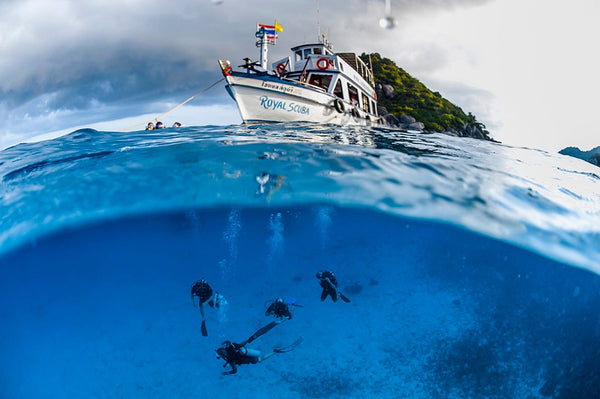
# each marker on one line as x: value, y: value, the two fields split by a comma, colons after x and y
x: 80, y: 55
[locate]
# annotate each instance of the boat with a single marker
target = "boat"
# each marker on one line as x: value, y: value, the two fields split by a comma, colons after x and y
x: 313, y: 84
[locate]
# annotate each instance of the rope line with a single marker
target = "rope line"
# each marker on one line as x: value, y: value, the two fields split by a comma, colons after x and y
x: 177, y: 106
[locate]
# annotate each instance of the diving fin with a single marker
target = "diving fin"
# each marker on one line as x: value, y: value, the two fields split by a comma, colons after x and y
x: 344, y: 298
x: 203, y: 329
x: 260, y: 332
x: 289, y: 348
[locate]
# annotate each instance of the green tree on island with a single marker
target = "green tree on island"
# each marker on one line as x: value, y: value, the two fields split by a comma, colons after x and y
x: 413, y: 98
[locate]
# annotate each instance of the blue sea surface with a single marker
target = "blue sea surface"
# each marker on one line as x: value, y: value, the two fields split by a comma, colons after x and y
x: 472, y: 267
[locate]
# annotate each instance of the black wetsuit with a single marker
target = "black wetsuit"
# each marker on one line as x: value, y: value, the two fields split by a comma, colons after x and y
x: 279, y: 310
x: 235, y: 355
x: 329, y: 284
x: 203, y: 291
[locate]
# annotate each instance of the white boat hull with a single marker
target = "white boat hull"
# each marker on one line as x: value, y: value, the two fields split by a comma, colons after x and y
x: 263, y: 99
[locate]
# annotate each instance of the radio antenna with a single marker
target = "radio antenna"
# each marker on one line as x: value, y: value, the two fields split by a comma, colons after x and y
x: 318, y: 19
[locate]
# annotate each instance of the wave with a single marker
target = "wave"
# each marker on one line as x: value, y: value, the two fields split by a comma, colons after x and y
x: 546, y: 203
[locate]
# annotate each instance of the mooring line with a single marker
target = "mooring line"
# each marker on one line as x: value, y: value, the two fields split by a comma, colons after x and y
x: 177, y: 106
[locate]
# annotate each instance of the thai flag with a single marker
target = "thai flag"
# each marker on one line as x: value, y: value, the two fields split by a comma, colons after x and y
x: 269, y: 29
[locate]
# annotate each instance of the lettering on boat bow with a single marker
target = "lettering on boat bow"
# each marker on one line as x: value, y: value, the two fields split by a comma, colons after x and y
x: 273, y: 105
x: 277, y: 87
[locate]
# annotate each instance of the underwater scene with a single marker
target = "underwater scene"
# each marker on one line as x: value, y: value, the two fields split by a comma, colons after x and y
x: 295, y: 261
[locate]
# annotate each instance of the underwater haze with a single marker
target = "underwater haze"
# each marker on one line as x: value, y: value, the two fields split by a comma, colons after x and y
x: 471, y: 266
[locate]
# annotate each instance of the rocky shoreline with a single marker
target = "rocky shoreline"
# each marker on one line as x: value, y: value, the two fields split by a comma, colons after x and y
x: 407, y: 122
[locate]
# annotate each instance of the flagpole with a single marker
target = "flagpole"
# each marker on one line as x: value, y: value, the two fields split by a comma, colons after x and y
x: 264, y: 49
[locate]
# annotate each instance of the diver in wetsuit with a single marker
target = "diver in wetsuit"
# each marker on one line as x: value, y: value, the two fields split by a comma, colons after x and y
x: 205, y: 293
x: 329, y: 283
x: 237, y: 354
x: 279, y: 309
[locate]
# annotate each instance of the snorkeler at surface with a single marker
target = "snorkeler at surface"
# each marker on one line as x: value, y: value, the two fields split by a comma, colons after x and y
x: 329, y: 283
x: 205, y: 293
x: 279, y: 309
x: 237, y: 354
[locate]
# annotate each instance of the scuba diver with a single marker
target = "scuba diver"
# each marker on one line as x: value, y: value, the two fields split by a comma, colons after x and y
x: 329, y: 284
x: 237, y: 354
x: 205, y: 293
x: 280, y: 309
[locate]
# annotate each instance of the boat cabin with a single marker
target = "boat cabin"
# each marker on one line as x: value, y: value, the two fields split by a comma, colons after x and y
x: 343, y: 75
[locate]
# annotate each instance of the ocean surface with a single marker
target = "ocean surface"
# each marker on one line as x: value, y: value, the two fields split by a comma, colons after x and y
x: 472, y: 267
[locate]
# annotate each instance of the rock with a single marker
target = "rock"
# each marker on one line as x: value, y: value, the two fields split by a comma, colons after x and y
x: 388, y: 90
x: 420, y: 126
x: 451, y: 132
x: 472, y: 131
x: 391, y: 119
x: 382, y: 111
x: 407, y: 120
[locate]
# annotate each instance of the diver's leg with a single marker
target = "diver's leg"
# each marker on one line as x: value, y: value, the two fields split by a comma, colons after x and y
x: 203, y: 326
x: 232, y: 371
x: 265, y: 357
x: 333, y: 294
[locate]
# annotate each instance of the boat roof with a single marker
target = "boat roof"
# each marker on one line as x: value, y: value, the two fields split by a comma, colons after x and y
x: 359, y: 66
x: 350, y: 58
x: 326, y: 48
x: 309, y: 45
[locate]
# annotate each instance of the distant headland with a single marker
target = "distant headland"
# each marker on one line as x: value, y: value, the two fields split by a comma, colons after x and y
x: 407, y: 103
x: 592, y: 156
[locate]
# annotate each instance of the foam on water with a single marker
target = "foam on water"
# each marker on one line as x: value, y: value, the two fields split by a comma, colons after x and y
x: 545, y: 202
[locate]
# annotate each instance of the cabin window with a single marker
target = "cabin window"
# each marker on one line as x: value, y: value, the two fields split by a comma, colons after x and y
x: 320, y: 80
x: 307, y: 52
x: 298, y: 55
x: 373, y: 108
x: 365, y: 102
x: 317, y: 50
x: 337, y: 91
x: 353, y: 93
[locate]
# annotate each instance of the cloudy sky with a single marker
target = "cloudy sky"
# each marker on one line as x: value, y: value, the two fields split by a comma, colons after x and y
x: 527, y: 69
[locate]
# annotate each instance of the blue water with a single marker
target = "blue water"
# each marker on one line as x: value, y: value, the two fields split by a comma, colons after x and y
x: 472, y: 267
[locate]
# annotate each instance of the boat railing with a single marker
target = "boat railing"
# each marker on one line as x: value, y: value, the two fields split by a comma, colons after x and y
x: 304, y: 84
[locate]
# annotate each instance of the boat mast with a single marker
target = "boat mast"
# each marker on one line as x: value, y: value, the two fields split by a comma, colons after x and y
x: 263, y: 44
x: 266, y: 35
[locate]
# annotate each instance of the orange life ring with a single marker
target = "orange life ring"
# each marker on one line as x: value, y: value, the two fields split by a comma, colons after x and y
x: 322, y: 63
x: 281, y: 68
